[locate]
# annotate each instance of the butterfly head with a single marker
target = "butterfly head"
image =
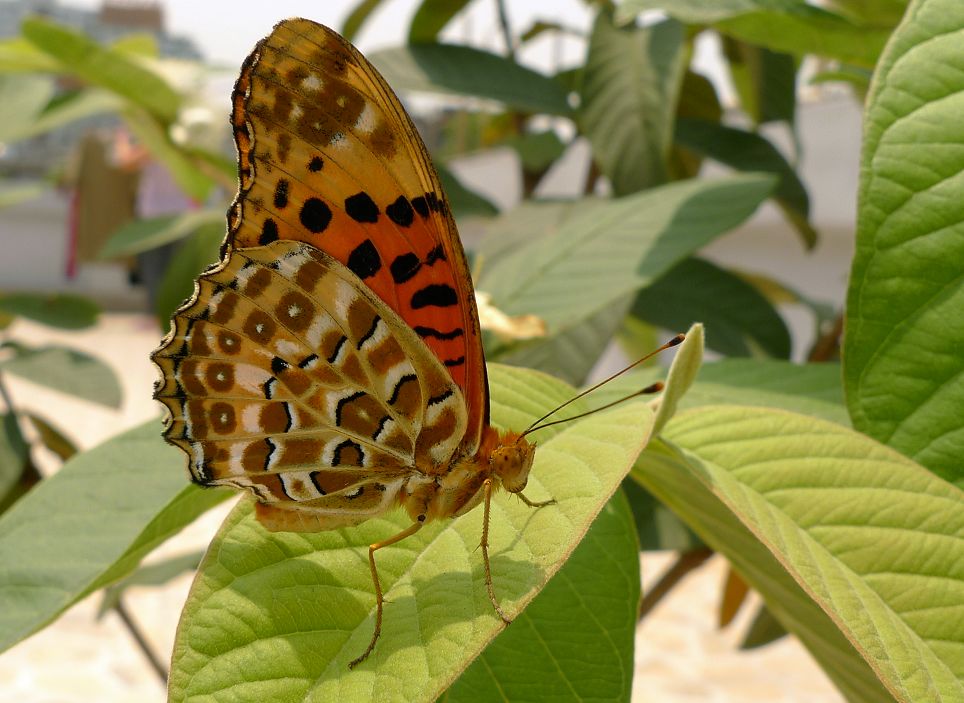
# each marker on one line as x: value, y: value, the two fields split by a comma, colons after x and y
x: 511, y: 461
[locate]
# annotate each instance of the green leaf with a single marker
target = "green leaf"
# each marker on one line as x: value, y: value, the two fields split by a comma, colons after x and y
x: 657, y: 527
x: 571, y: 353
x: 536, y: 150
x: 17, y: 55
x: 114, y: 70
x: 462, y: 70
x: 431, y: 17
x: 52, y: 438
x: 23, y: 98
x: 629, y: 94
x: 814, y: 389
x: 156, y: 574
x: 763, y: 630
x: 61, y: 310
x: 357, y: 18
x: 14, y: 452
x: 748, y: 151
x: 835, y: 531
x: 542, y: 656
x: 259, y: 591
x: 155, y: 138
x: 196, y: 253
x: 71, y: 108
x: 464, y: 202
x: 765, y: 80
x: 68, y: 371
x: 138, y: 236
x: 791, y: 26
x: 739, y: 320
x: 903, y: 366
x: 682, y: 372
x: 90, y: 524
x: 607, y: 249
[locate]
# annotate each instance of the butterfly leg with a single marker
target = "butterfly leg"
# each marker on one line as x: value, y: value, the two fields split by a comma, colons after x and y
x: 536, y: 504
x: 487, y: 487
x: 379, y: 599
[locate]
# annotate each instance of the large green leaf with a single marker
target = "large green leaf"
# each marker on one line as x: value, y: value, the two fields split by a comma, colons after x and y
x: 62, y: 310
x: 903, y: 360
x: 858, y: 550
x: 462, y: 70
x: 198, y: 251
x: 358, y: 16
x: 137, y: 236
x: 739, y: 320
x: 431, y: 16
x: 14, y: 452
x: 748, y: 151
x: 629, y: 94
x: 114, y: 70
x: 23, y: 97
x: 183, y: 168
x: 765, y: 80
x: 791, y: 26
x: 542, y: 656
x: 278, y: 616
x: 90, y: 524
x: 464, y: 202
x: 606, y: 249
x: 68, y: 371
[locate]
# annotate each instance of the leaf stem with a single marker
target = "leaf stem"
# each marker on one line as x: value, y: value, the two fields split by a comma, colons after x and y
x: 684, y: 564
x: 145, y: 648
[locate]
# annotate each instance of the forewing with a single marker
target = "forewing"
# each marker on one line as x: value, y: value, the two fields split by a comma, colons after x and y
x: 328, y: 155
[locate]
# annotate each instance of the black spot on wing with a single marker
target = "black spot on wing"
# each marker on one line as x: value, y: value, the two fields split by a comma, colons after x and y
x: 364, y: 260
x: 454, y: 362
x: 269, y: 232
x: 437, y: 254
x: 281, y: 194
x: 424, y: 332
x: 315, y: 164
x: 315, y: 215
x: 421, y: 207
x: 361, y: 208
x: 404, y: 267
x: 440, y: 295
x: 400, y: 212
x: 278, y: 365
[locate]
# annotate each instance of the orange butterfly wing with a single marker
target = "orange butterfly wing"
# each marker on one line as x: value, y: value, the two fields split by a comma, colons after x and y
x: 328, y: 156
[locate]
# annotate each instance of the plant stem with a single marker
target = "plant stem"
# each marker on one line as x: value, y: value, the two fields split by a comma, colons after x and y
x: 132, y: 627
x: 506, y: 29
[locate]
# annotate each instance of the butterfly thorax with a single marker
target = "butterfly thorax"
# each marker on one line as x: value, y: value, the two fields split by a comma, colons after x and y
x: 457, y: 488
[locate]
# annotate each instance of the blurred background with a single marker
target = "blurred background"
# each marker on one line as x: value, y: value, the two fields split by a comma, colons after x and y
x: 111, y: 202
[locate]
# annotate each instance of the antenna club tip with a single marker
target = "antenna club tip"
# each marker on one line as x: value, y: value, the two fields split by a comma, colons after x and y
x: 654, y: 388
x: 678, y: 339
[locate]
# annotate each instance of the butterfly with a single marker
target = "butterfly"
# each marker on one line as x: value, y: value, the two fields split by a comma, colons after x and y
x: 331, y: 363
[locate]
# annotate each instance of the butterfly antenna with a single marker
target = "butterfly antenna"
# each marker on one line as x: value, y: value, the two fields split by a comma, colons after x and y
x: 649, y: 389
